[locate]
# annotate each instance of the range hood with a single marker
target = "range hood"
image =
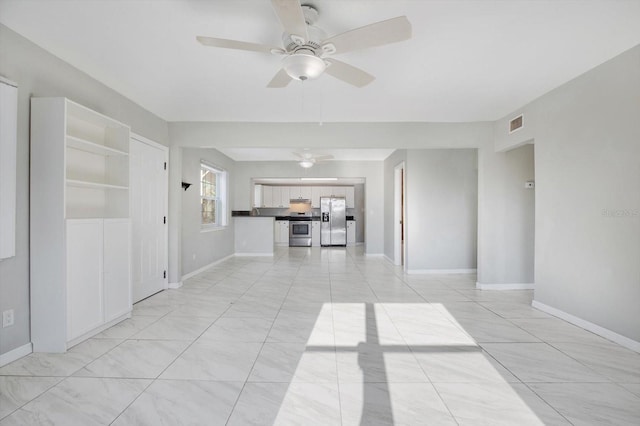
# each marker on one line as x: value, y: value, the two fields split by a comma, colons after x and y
x: 300, y: 205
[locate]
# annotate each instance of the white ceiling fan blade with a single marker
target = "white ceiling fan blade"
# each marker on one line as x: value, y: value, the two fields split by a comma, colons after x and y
x: 238, y: 45
x: 291, y: 17
x: 323, y: 157
x: 384, y: 32
x: 348, y: 73
x: 280, y: 80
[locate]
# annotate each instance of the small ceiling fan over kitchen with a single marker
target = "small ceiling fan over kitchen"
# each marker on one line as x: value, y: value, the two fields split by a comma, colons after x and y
x: 307, y: 50
x: 307, y: 159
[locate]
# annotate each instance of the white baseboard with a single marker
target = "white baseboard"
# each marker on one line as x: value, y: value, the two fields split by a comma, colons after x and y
x: 174, y: 286
x: 15, y: 354
x: 512, y: 286
x: 204, y: 268
x: 589, y: 326
x: 374, y: 254
x: 254, y: 254
x: 441, y: 271
x: 388, y: 259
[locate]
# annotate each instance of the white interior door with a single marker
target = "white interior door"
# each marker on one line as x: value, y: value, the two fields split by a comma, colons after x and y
x: 148, y: 188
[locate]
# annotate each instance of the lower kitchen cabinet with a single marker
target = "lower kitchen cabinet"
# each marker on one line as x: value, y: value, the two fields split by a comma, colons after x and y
x: 315, y: 233
x: 281, y: 232
x: 351, y: 232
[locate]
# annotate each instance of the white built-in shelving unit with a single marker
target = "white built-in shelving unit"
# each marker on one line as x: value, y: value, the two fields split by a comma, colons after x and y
x: 80, y: 223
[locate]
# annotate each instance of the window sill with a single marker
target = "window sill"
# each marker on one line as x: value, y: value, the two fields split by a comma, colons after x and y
x: 212, y: 228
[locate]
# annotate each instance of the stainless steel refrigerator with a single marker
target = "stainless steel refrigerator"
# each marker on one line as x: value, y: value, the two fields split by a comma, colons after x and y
x: 333, y: 221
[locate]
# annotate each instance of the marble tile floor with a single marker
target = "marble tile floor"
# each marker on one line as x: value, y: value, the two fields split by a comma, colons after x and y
x: 329, y: 337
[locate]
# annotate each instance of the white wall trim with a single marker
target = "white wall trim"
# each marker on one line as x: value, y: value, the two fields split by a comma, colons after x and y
x: 388, y: 259
x: 441, y: 271
x: 174, y: 286
x: 589, y: 326
x: 374, y: 254
x: 506, y: 286
x: 204, y: 268
x: 254, y: 254
x: 15, y: 354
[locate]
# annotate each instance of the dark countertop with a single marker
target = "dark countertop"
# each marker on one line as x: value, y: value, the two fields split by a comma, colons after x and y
x: 248, y: 213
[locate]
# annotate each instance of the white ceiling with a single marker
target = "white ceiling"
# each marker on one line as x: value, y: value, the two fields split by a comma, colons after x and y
x: 467, y: 60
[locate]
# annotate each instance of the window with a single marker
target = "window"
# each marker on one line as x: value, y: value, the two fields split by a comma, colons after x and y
x: 213, y: 196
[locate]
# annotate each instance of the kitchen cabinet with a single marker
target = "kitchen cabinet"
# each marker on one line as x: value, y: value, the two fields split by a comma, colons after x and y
x: 267, y: 196
x: 281, y: 232
x: 300, y: 192
x: 294, y: 192
x: 257, y: 196
x: 351, y: 232
x: 80, y: 231
x: 339, y: 191
x: 315, y: 233
x: 351, y: 197
x: 280, y: 196
x: 285, y: 197
x: 316, y: 193
x: 276, y: 197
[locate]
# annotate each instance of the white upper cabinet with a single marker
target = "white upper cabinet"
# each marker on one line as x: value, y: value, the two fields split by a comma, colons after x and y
x: 339, y: 191
x: 316, y: 193
x: 305, y: 192
x: 294, y: 192
x: 285, y: 196
x: 280, y: 196
x: 351, y: 197
x: 267, y: 196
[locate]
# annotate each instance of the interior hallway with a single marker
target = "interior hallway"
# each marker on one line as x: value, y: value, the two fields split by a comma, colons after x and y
x: 329, y: 337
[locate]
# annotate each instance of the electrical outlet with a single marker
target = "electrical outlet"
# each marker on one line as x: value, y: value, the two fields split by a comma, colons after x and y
x: 7, y: 318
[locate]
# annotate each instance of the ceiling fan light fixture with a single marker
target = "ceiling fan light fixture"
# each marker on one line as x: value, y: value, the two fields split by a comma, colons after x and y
x: 306, y: 164
x: 303, y: 66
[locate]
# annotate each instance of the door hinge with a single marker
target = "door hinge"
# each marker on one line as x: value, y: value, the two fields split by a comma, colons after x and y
x: 164, y: 220
x: 164, y: 275
x: 165, y: 165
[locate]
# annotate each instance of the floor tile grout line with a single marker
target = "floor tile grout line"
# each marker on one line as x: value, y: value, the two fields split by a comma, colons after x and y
x: 244, y: 384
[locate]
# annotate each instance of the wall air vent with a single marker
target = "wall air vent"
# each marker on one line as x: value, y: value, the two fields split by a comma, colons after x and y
x: 515, y: 124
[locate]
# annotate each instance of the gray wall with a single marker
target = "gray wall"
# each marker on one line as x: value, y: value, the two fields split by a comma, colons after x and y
x: 39, y: 73
x: 587, y: 151
x: 441, y: 216
x: 506, y: 216
x: 203, y: 247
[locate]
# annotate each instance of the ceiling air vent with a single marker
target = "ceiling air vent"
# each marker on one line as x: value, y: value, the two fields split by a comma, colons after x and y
x: 515, y: 124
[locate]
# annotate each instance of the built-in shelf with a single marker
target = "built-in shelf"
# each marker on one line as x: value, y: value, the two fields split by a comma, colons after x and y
x: 94, y: 185
x: 92, y: 147
x: 80, y: 239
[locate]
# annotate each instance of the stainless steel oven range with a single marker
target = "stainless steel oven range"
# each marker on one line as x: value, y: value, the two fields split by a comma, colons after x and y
x: 300, y: 231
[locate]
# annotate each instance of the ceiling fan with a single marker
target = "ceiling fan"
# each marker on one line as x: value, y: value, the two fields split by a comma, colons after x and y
x: 307, y: 159
x: 307, y: 50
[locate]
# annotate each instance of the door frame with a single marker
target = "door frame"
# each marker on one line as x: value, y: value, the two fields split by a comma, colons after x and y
x: 399, y: 215
x: 165, y: 207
